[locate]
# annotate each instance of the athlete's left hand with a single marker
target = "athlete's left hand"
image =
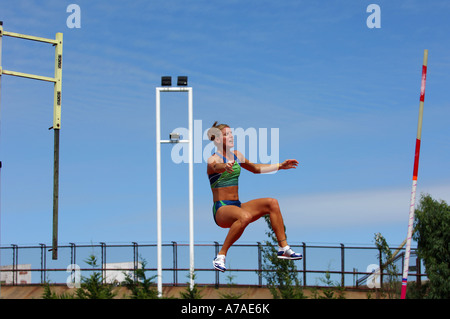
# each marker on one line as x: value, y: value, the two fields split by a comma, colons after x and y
x: 289, y: 163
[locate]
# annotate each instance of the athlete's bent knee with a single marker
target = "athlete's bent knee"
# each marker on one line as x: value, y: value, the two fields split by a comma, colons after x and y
x: 273, y: 205
x: 245, y: 219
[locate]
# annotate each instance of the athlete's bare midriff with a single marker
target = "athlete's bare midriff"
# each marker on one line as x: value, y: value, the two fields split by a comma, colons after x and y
x: 225, y: 193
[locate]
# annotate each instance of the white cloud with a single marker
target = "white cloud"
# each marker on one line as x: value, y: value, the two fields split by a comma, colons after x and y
x: 355, y: 208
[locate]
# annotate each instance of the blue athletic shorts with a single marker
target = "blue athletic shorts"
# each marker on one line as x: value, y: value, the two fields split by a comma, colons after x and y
x: 221, y: 203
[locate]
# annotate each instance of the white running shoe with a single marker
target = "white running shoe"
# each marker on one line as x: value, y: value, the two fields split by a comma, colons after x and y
x: 288, y: 253
x: 219, y: 263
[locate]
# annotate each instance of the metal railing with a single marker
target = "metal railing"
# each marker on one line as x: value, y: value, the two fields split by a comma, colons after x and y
x: 345, y: 266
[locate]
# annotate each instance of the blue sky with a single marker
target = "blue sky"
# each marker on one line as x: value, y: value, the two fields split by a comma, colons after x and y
x: 344, y: 97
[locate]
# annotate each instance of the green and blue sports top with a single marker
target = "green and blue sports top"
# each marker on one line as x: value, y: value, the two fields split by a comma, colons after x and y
x: 225, y: 179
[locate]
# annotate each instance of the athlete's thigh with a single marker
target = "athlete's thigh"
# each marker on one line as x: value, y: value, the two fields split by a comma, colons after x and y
x: 257, y: 207
x: 227, y: 215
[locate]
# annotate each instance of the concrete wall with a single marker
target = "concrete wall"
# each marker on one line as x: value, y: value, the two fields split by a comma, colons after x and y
x: 36, y: 292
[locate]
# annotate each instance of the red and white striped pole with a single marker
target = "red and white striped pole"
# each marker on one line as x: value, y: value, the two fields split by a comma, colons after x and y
x: 415, y: 171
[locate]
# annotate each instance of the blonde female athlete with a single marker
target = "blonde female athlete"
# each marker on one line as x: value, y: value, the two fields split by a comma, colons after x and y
x: 223, y: 170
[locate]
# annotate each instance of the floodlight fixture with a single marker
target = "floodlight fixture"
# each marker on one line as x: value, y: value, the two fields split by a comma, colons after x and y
x: 166, y: 81
x: 182, y: 81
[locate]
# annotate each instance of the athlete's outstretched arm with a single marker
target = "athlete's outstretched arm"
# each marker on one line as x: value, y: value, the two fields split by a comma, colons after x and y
x: 265, y: 168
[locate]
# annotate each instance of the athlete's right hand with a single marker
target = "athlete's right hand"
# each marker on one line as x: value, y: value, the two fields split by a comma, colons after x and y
x: 229, y: 167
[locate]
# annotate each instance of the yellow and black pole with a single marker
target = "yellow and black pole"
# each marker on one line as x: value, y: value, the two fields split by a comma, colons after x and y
x: 57, y: 82
x: 56, y: 130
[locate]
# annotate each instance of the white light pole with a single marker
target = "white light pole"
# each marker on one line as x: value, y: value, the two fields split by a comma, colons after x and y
x: 174, y: 139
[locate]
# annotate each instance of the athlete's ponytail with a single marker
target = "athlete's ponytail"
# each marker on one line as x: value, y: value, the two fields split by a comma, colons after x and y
x: 215, y: 130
